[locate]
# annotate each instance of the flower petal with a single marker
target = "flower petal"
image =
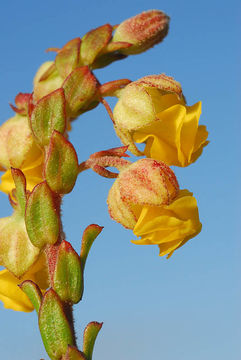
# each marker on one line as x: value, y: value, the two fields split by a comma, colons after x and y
x: 162, y: 137
x: 175, y: 137
x: 12, y: 296
x: 169, y: 226
x: 189, y: 130
x: 32, y: 173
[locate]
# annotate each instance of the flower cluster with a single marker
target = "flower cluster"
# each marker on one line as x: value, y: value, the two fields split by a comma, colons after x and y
x: 40, y: 165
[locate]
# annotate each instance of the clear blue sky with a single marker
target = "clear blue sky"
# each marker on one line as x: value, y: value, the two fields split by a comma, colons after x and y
x: 185, y: 308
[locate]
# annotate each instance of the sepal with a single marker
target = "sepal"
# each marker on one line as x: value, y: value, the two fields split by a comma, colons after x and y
x: 48, y: 115
x: 89, y: 236
x: 42, y: 218
x: 113, y: 87
x: 61, y: 166
x: 117, y: 46
x: 90, y: 334
x: 80, y: 88
x: 20, y: 193
x: 106, y: 59
x: 33, y: 292
x: 50, y: 69
x: 73, y: 354
x: 93, y: 42
x: 67, y: 58
x: 22, y: 101
x: 54, y: 327
x: 68, y: 279
x: 106, y: 158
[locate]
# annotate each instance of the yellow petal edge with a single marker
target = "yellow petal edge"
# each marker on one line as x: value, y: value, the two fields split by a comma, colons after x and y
x: 169, y: 226
x: 12, y: 296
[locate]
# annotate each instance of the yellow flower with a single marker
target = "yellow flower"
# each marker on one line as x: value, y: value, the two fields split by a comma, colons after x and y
x: 146, y: 199
x: 19, y: 150
x: 12, y: 296
x: 169, y: 226
x: 153, y: 111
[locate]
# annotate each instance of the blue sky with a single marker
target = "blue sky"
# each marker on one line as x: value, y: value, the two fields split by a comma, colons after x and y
x: 187, y: 307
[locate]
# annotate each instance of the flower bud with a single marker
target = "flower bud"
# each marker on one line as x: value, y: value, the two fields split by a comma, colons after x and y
x: 18, y: 147
x: 19, y: 150
x: 17, y: 253
x: 152, y: 110
x: 142, y: 31
x: 46, y: 80
x: 146, y: 198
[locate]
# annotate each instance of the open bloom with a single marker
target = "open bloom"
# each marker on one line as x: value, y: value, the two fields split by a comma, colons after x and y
x: 19, y: 150
x: 146, y: 199
x: 153, y: 111
x: 12, y: 296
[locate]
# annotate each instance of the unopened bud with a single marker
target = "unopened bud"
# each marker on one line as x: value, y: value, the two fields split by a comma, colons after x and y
x: 46, y: 80
x: 142, y: 31
x: 17, y: 253
x: 18, y: 148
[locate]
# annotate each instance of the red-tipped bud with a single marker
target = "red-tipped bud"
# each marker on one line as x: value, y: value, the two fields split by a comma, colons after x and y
x: 142, y: 31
